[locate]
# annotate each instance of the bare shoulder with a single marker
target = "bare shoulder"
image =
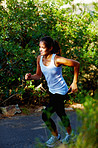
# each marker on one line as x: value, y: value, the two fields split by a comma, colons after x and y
x: 59, y: 60
x: 59, y: 57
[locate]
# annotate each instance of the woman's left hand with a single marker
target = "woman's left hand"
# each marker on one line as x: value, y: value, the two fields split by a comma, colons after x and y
x: 73, y: 88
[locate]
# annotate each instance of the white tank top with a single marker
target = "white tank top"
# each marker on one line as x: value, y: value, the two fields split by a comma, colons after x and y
x: 54, y: 78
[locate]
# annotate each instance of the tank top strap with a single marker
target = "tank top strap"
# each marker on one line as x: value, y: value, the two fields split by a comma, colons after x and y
x: 53, y: 56
x: 52, y: 59
x: 41, y: 60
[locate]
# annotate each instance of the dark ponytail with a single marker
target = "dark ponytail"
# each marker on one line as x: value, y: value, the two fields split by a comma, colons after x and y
x: 49, y: 42
x: 56, y: 48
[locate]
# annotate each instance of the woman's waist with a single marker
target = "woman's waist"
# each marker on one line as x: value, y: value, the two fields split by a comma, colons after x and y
x: 62, y: 87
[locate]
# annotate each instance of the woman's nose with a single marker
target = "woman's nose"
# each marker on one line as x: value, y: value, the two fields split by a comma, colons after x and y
x: 41, y: 49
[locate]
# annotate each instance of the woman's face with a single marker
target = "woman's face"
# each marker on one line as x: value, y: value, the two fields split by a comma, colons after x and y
x: 43, y: 49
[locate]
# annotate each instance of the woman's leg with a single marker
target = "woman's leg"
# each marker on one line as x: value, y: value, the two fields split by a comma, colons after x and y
x: 46, y: 116
x: 61, y: 112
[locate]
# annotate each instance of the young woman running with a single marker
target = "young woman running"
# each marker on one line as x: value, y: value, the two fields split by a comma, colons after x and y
x: 49, y: 62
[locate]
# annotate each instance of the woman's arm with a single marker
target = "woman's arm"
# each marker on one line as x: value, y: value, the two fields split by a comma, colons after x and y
x: 69, y: 62
x: 38, y: 74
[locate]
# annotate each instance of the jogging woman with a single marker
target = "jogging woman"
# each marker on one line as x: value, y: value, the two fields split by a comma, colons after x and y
x: 49, y: 62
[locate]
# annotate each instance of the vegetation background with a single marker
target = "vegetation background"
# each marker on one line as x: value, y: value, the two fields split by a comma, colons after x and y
x: 24, y: 22
x: 75, y: 27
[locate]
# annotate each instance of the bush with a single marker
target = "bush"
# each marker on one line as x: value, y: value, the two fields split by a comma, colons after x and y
x: 88, y: 135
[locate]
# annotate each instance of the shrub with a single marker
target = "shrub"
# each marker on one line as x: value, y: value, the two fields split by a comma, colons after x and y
x: 89, y: 131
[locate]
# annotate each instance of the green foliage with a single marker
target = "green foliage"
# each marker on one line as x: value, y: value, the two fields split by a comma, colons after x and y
x: 21, y: 26
x: 25, y: 111
x: 89, y: 132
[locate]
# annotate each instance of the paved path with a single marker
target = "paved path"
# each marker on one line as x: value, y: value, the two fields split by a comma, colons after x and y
x: 22, y: 131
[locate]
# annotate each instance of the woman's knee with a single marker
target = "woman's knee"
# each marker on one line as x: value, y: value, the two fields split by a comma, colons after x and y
x: 65, y: 120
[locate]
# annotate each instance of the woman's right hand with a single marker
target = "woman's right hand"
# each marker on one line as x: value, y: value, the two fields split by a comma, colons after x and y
x: 28, y: 76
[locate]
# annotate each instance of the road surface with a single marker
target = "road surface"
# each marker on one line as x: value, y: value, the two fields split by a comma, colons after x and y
x: 25, y: 131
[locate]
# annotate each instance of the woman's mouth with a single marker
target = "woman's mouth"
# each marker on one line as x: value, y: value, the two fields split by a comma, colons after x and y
x: 41, y: 52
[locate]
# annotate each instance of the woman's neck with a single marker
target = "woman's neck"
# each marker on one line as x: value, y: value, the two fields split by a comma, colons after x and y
x: 47, y: 56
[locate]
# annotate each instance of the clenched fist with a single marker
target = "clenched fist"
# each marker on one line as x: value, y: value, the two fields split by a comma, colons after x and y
x: 28, y: 76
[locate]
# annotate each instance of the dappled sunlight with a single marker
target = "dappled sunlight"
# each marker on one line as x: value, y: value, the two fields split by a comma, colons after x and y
x: 41, y: 126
